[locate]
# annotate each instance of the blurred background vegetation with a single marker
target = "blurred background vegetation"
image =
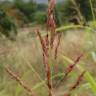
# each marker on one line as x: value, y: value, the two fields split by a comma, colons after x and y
x: 19, y: 13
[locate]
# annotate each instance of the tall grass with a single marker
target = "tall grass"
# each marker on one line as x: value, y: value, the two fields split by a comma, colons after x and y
x: 50, y: 79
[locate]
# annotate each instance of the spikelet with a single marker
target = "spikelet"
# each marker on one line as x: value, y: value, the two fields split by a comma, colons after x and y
x: 21, y: 82
x: 77, y: 83
x: 51, y: 25
x: 68, y: 70
x: 57, y: 45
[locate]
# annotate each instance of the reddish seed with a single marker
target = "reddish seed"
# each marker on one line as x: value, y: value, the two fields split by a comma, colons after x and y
x: 51, y: 26
x: 57, y: 46
x: 68, y: 70
x: 21, y: 82
x: 77, y: 83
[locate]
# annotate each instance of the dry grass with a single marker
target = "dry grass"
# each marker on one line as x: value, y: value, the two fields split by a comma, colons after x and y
x: 25, y: 56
